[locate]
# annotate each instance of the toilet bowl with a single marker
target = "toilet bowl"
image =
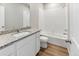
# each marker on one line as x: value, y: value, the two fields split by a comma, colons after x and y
x: 44, y: 41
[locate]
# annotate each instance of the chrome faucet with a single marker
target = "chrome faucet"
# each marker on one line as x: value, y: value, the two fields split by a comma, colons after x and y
x: 18, y: 30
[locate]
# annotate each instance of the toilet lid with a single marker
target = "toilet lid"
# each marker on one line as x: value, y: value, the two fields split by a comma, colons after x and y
x: 43, y: 37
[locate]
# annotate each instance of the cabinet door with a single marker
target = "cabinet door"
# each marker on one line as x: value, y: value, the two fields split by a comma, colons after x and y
x: 26, y: 47
x: 8, y: 50
x: 27, y: 50
x: 23, y: 42
x: 37, y: 42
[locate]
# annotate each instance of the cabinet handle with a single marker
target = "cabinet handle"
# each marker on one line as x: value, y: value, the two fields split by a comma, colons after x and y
x: 68, y: 41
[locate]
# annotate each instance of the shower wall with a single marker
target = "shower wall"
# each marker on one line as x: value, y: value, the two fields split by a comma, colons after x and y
x: 53, y: 20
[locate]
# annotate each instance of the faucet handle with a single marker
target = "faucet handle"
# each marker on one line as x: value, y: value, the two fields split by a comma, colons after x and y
x: 17, y: 30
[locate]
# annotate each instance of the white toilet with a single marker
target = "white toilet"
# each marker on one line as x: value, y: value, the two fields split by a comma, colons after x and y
x: 44, y: 41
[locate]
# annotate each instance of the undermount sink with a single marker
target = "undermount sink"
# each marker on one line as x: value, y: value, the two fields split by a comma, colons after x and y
x: 21, y: 34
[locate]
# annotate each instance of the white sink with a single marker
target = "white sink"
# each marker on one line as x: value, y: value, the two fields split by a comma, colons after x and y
x: 20, y: 35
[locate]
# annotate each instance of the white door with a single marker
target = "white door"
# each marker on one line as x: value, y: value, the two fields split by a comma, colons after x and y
x: 74, y: 29
x: 2, y: 18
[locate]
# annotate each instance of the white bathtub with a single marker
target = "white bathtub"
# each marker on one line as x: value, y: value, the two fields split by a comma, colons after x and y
x: 57, y: 39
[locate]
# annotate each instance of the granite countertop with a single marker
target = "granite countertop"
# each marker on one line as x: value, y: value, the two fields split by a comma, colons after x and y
x: 8, y: 38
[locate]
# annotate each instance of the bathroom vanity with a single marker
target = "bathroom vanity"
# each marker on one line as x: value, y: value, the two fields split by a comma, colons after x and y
x: 25, y: 43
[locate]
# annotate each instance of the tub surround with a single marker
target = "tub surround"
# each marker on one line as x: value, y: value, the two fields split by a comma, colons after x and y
x: 7, y: 39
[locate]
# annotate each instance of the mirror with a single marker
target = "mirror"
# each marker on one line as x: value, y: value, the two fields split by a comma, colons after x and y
x: 2, y: 13
x: 14, y: 16
x: 26, y: 15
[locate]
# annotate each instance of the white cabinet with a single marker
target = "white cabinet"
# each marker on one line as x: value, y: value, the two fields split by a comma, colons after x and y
x: 8, y: 50
x: 27, y: 46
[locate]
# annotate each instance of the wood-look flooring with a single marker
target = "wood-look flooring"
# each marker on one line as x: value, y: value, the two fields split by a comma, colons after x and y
x: 53, y: 50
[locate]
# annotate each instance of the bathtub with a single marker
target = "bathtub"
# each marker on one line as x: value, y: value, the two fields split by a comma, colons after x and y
x: 57, y: 39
